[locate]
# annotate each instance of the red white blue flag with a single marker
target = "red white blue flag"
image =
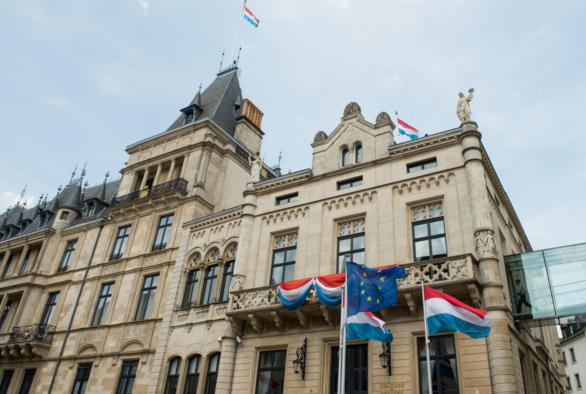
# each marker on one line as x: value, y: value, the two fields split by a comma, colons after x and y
x: 329, y: 288
x: 250, y: 17
x: 366, y: 325
x: 294, y: 292
x: 407, y: 130
x: 446, y: 313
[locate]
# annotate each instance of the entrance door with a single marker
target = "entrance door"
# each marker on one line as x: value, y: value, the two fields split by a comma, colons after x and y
x: 356, y: 369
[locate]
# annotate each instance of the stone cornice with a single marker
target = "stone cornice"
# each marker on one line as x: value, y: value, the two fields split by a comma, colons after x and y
x: 424, y: 144
x: 27, y: 238
x: 283, y: 181
x: 214, y: 218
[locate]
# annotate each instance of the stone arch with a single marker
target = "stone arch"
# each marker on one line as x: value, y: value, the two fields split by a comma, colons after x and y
x: 213, y: 254
x: 87, y: 350
x: 230, y: 250
x: 132, y: 345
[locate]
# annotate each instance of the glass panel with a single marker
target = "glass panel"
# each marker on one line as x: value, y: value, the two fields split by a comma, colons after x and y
x: 277, y: 274
x: 438, y: 246
x: 193, y: 365
x: 358, y: 257
x: 279, y: 257
x: 291, y: 255
x: 358, y: 242
x: 341, y: 263
x: 567, y: 275
x: 289, y: 272
x: 437, y: 227
x: 344, y: 245
x: 420, y: 230
x: 530, y: 286
x: 421, y: 249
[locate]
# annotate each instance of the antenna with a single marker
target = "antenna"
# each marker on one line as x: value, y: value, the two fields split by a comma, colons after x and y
x: 238, y: 57
x: 221, y: 62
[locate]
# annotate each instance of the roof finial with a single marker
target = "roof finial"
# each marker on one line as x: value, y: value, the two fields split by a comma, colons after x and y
x: 73, y: 174
x: 83, y: 172
x: 221, y: 61
x: 238, y: 57
x: 59, y: 189
x: 280, y: 157
x: 22, y: 193
x: 106, y: 176
x: 198, y: 97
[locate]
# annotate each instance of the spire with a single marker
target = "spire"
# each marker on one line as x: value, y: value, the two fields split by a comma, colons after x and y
x: 72, y: 176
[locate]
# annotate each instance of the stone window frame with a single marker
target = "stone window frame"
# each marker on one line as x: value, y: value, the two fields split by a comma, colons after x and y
x: 421, y: 211
x: 282, y: 241
x: 352, y: 152
x: 185, y: 372
x: 457, y: 354
x: 214, y: 255
x: 358, y: 224
x: 256, y: 362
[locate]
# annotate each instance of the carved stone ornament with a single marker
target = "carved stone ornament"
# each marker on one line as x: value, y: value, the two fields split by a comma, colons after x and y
x: 352, y: 109
x: 463, y: 110
x: 196, y: 259
x: 284, y: 240
x: 320, y: 137
x: 230, y: 251
x: 430, y: 211
x: 237, y: 282
x: 349, y: 227
x: 485, y: 245
x: 213, y: 255
x: 383, y: 119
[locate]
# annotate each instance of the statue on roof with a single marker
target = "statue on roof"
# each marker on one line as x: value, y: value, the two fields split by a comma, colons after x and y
x: 256, y: 168
x: 463, y: 107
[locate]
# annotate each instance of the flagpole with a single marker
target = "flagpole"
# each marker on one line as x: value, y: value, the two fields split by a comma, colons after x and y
x: 429, y: 386
x: 342, y: 347
x: 237, y: 31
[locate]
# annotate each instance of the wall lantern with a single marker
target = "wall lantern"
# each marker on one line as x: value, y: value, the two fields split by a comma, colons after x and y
x: 385, y: 357
x: 299, y: 362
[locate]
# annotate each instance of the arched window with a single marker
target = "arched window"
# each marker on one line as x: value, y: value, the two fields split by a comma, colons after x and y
x: 345, y: 157
x: 212, y: 374
x: 191, y: 285
x: 192, y: 375
x: 172, y: 376
x: 358, y: 153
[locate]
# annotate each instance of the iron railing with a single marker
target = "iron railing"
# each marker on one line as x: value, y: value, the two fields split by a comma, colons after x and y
x: 178, y: 184
x: 42, y: 333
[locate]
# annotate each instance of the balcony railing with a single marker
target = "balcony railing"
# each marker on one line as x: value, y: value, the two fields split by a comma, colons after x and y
x: 178, y: 184
x: 441, y: 272
x: 39, y: 333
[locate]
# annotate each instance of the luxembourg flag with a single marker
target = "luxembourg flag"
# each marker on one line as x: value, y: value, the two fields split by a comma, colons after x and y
x: 250, y: 17
x: 445, y: 313
x: 294, y: 292
x: 329, y: 288
x: 366, y: 325
x: 407, y: 130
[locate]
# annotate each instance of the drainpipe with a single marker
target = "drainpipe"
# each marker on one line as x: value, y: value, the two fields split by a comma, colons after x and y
x: 70, y: 324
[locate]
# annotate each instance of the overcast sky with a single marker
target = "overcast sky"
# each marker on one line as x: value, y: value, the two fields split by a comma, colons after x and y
x: 80, y: 80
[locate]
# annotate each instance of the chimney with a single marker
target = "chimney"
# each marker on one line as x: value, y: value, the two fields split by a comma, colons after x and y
x: 248, y: 125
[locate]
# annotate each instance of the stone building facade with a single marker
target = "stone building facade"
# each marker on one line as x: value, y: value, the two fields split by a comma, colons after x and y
x: 164, y: 280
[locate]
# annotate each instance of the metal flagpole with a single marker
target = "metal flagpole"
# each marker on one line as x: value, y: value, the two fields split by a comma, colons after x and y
x: 237, y: 31
x: 429, y: 387
x: 342, y: 347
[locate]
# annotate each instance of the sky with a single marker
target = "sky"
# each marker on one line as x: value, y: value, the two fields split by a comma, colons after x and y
x: 81, y: 80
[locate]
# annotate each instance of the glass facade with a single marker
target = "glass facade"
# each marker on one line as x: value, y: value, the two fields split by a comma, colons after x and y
x: 548, y: 284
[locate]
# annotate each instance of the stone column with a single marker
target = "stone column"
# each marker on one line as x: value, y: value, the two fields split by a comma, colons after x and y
x: 158, y: 174
x: 203, y: 167
x: 144, y: 179
x: 227, y: 360
x: 171, y: 170
x: 500, y: 351
x: 244, y: 241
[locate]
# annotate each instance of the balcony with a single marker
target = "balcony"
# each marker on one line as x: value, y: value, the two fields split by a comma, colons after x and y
x: 27, y: 342
x: 178, y: 185
x: 261, y: 308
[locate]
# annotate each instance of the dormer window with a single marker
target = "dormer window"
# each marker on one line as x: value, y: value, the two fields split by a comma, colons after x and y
x: 91, y: 208
x: 64, y: 215
x: 345, y: 157
x: 44, y: 219
x: 189, y: 117
x: 358, y: 153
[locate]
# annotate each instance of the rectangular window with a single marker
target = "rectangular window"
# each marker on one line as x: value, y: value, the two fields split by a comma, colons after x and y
x: 356, y: 369
x: 444, y: 374
x: 348, y: 183
x: 7, y: 266
x: 127, y: 376
x: 289, y: 198
x: 120, y: 243
x: 191, y: 283
x: 67, y: 255
x: 422, y: 165
x: 270, y: 377
x: 429, y: 233
x: 564, y: 357
x: 27, y: 381
x: 6, y: 380
x: 569, y: 381
x: 572, y: 355
x: 212, y: 374
x: 147, y: 295
x: 103, y: 303
x: 209, y: 284
x: 64, y: 215
x: 81, y: 378
x: 226, y: 279
x: 5, y: 313
x: 25, y: 261
x: 49, y: 308
x: 173, y: 376
x: 163, y: 232
x: 578, y: 382
x: 351, y: 243
x: 284, y: 257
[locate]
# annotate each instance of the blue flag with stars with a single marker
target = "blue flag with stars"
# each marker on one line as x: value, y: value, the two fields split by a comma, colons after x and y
x: 372, y: 289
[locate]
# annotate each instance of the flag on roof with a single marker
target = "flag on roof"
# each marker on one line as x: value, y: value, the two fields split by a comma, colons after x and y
x: 407, y: 130
x: 250, y: 17
x: 446, y: 313
x: 372, y: 289
x: 366, y: 325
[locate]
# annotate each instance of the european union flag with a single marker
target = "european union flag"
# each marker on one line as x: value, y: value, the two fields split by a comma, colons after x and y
x: 372, y: 289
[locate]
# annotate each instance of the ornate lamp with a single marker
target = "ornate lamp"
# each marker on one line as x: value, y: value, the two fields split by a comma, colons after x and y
x: 385, y: 357
x: 299, y: 362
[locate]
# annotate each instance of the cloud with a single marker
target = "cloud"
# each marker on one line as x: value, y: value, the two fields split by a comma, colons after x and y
x: 341, y: 3
x: 9, y: 198
x: 145, y: 5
